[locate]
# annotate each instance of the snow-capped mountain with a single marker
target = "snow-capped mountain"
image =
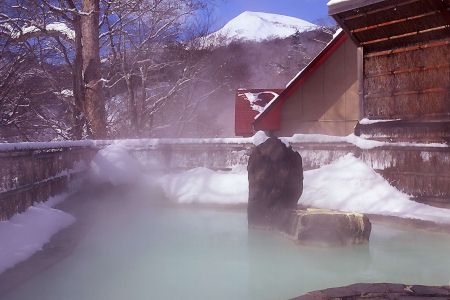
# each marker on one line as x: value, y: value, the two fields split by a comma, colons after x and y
x: 258, y: 26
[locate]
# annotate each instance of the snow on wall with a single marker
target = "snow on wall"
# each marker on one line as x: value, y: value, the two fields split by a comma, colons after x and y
x: 137, y: 144
x: 367, y: 121
x: 381, y: 161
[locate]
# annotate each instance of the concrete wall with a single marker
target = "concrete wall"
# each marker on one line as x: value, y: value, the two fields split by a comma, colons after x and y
x: 328, y: 102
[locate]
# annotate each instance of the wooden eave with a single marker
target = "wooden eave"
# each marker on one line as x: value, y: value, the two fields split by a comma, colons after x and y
x: 388, y: 24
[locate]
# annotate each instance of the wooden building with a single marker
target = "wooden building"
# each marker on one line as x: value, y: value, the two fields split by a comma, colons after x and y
x: 321, y: 98
x: 405, y: 71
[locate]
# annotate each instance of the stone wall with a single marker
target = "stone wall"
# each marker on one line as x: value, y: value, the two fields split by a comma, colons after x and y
x: 33, y: 175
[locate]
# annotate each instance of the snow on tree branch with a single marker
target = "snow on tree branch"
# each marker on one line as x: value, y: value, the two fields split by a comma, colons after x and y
x: 57, y: 29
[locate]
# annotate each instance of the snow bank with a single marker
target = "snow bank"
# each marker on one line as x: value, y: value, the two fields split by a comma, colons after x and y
x: 26, y: 233
x: 347, y: 184
x: 201, y: 185
x: 114, y: 164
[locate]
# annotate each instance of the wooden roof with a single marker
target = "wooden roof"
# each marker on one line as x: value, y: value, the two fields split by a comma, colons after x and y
x: 379, y: 25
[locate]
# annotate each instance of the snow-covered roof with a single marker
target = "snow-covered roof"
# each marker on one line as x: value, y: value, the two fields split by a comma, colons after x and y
x: 337, y: 6
x: 258, y: 100
x: 248, y: 104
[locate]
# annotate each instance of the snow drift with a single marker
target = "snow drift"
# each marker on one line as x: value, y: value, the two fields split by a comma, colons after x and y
x: 114, y: 164
x: 347, y: 184
x: 201, y: 185
x: 26, y: 233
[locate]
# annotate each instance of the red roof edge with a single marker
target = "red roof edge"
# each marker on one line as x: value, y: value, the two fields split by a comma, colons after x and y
x: 309, y: 70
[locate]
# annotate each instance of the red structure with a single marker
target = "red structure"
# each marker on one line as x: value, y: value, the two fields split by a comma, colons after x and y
x: 249, y: 104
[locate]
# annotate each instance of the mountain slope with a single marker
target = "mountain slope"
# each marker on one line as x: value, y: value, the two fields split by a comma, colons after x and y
x: 258, y: 26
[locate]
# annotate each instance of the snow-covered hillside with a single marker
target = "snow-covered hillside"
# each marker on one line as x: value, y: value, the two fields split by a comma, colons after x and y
x: 258, y: 26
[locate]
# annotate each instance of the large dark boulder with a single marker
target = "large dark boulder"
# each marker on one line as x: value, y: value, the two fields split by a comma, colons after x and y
x: 275, y: 177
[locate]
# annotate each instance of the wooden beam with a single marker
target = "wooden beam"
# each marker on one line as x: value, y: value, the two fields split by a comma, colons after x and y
x: 406, y: 92
x: 395, y: 37
x: 362, y: 29
x: 412, y: 70
x: 373, y: 11
x: 443, y: 8
x: 407, y: 49
x: 346, y: 29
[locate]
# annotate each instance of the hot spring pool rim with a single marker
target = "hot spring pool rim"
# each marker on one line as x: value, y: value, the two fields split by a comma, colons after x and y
x: 379, y: 291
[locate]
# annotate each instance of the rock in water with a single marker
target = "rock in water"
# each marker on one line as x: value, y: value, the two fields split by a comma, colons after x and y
x: 322, y: 227
x: 275, y: 177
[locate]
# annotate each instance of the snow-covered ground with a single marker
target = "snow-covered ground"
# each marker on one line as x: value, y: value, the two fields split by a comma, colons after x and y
x: 347, y: 184
x: 26, y: 233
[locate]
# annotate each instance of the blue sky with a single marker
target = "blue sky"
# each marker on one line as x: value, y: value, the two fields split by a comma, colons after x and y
x: 309, y: 10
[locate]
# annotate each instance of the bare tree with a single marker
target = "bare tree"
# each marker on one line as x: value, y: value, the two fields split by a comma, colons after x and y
x: 147, y: 54
x: 67, y: 27
x: 92, y: 77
